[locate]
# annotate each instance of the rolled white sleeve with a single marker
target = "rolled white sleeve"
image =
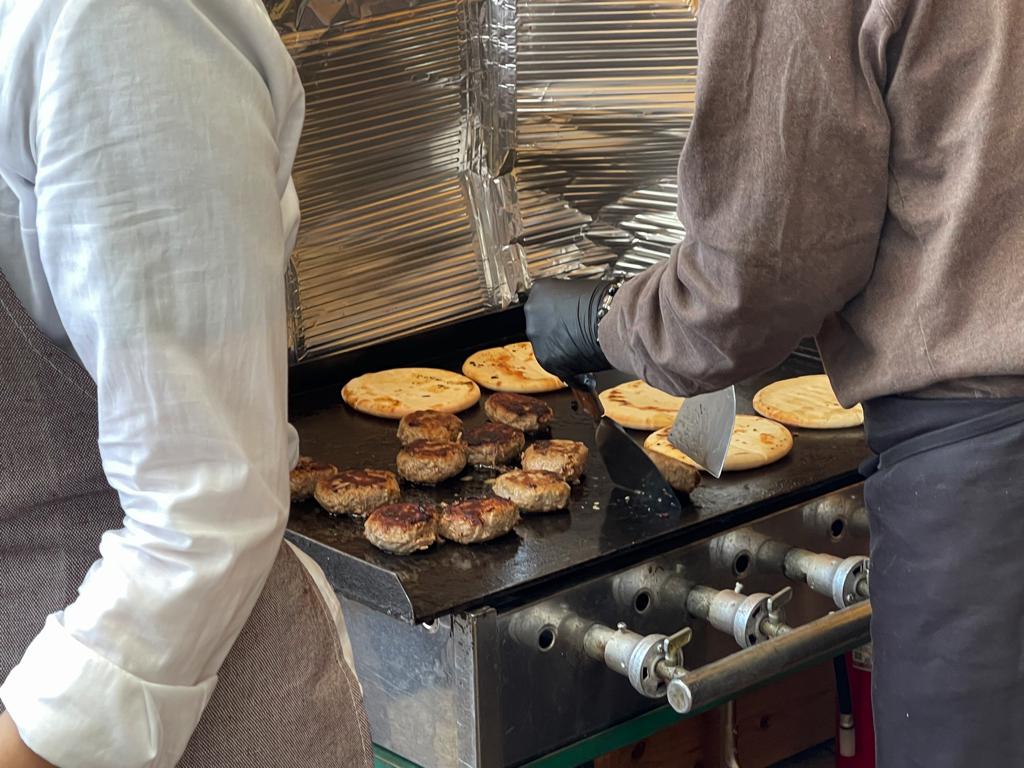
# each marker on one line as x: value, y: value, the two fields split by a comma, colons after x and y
x: 164, y: 138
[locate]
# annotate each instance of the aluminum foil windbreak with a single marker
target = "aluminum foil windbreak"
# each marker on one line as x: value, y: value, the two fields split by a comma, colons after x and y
x: 454, y: 148
x: 407, y: 222
x: 605, y: 94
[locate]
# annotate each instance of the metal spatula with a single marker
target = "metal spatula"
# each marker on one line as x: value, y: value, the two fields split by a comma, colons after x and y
x: 628, y: 466
x: 703, y: 428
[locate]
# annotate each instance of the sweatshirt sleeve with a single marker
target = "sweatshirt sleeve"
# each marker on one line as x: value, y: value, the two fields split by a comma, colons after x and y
x: 782, y: 184
x: 163, y: 188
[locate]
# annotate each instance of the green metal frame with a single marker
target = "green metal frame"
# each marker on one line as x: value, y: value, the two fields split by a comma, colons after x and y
x: 384, y: 759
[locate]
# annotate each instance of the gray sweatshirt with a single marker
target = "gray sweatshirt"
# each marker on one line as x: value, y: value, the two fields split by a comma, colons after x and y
x: 855, y: 172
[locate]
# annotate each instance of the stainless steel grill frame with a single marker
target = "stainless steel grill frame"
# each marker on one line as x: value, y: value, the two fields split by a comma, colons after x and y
x: 482, y: 689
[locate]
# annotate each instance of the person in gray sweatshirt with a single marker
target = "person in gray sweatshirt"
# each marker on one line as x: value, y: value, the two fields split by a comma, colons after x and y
x: 855, y: 173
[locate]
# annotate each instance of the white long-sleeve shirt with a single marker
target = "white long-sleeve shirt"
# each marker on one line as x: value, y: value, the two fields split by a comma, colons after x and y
x: 146, y: 210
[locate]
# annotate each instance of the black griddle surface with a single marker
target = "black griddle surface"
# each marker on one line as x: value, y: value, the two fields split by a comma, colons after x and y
x: 603, y: 527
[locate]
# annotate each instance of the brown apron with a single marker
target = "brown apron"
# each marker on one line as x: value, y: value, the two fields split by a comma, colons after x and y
x: 285, y: 696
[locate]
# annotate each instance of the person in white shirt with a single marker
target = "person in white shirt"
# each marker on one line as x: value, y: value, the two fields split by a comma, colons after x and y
x: 146, y: 214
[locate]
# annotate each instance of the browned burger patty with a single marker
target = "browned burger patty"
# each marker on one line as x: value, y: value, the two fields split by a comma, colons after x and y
x: 526, y: 413
x: 477, y: 520
x: 401, y: 529
x: 533, y: 491
x: 493, y: 444
x: 429, y: 425
x: 357, y: 491
x: 565, y: 458
x: 428, y: 462
x: 678, y: 474
x: 305, y: 476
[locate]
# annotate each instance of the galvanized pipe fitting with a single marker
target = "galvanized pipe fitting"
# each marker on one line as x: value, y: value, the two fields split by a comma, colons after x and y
x: 743, y: 549
x: 842, y: 580
x: 657, y: 585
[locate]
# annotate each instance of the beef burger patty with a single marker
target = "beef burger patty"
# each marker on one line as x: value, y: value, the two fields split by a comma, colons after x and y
x: 478, y: 520
x: 357, y: 491
x: 566, y: 458
x: 304, y: 477
x: 402, y: 529
x: 533, y: 491
x: 428, y: 462
x: 493, y: 444
x: 520, y: 411
x: 680, y: 475
x: 429, y: 425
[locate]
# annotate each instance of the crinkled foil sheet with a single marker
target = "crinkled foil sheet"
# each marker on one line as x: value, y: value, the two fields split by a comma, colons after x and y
x: 605, y: 94
x: 408, y: 204
x: 453, y: 148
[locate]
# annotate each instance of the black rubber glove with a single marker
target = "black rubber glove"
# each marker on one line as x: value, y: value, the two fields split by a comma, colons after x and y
x: 561, y: 322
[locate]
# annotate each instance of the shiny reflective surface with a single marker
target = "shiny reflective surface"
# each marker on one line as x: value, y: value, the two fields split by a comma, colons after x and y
x: 409, y: 217
x: 455, y: 147
x: 604, y: 101
x: 603, y: 526
x: 626, y: 462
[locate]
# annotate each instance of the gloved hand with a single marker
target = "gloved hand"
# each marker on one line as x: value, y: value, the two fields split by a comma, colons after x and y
x: 561, y: 322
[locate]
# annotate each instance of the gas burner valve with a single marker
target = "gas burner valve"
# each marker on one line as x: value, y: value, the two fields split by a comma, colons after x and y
x: 843, y: 580
x: 649, y: 662
x: 750, y: 619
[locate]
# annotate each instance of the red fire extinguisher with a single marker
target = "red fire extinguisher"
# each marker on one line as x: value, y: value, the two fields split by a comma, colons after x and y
x: 855, y: 729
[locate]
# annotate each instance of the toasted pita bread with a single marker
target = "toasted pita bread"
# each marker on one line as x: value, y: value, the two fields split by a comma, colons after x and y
x: 807, y: 401
x: 510, y: 369
x: 756, y: 442
x: 638, y: 405
x: 398, y: 392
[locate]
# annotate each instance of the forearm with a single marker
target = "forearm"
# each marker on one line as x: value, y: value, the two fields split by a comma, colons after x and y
x: 709, y: 318
x: 782, y: 184
x: 13, y: 751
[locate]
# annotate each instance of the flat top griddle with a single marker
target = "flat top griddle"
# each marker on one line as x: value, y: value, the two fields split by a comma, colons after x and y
x: 605, y: 527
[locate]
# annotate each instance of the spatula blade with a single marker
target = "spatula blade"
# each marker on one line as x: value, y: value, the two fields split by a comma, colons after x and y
x: 630, y: 468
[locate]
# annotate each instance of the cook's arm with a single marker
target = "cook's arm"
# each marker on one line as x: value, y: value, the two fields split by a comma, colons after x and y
x: 164, y: 210
x: 783, y: 187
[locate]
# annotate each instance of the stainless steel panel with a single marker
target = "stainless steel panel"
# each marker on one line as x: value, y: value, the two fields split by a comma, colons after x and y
x: 412, y: 678
x: 430, y: 689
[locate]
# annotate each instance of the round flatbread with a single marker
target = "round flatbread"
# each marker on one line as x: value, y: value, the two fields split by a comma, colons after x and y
x: 638, y: 405
x: 756, y: 442
x: 807, y: 401
x: 398, y: 392
x: 510, y: 369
